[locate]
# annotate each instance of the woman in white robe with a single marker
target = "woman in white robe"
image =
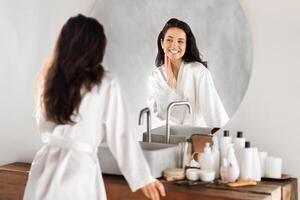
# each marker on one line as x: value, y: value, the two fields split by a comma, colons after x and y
x: 81, y: 106
x: 181, y: 75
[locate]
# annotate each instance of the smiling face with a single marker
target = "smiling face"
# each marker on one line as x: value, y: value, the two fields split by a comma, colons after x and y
x: 174, y: 43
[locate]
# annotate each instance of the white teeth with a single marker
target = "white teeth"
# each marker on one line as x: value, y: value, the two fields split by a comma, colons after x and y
x: 173, y: 51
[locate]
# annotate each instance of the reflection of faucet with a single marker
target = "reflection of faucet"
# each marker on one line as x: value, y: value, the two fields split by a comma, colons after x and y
x: 142, y: 112
x: 171, y: 105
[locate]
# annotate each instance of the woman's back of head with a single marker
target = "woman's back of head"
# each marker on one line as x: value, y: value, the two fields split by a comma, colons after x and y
x: 76, y: 63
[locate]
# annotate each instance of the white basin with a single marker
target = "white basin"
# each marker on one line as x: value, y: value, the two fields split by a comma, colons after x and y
x: 159, y: 157
x: 177, y: 133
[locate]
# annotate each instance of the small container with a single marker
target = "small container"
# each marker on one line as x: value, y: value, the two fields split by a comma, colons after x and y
x: 207, y: 176
x: 193, y: 174
x: 172, y: 174
x: 273, y: 167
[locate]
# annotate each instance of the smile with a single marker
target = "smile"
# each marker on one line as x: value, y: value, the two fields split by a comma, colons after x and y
x: 174, y: 51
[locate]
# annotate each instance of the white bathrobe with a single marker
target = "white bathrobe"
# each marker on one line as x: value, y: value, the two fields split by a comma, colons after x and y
x: 67, y: 166
x: 194, y: 84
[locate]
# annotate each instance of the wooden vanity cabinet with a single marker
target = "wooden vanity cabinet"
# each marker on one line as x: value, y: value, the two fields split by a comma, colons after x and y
x: 13, y: 179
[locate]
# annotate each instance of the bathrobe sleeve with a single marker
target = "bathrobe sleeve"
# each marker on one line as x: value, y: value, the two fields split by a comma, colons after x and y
x: 161, y: 95
x: 210, y: 103
x: 122, y: 142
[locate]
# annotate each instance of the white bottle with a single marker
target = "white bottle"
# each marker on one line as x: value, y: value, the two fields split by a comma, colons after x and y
x: 233, y: 163
x: 216, y: 156
x: 239, y: 145
x: 224, y: 171
x: 224, y: 142
x: 247, y: 164
x: 262, y: 160
x: 207, y: 160
x: 256, y: 173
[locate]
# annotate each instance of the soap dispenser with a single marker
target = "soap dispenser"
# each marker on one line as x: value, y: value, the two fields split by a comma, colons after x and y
x: 233, y: 165
x: 224, y: 142
x: 216, y: 156
x: 207, y: 159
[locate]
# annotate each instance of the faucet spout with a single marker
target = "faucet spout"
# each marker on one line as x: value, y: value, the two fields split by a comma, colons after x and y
x: 169, y: 109
x: 142, y: 112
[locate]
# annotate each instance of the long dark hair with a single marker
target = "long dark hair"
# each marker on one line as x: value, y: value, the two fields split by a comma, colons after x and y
x: 76, y: 65
x: 192, y: 53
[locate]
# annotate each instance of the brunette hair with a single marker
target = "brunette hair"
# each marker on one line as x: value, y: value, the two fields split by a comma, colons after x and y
x: 75, y: 67
x: 192, y: 53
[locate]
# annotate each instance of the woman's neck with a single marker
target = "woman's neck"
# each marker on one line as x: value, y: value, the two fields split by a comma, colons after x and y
x: 176, y: 66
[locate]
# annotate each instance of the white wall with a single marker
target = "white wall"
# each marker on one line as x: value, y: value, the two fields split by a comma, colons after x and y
x: 28, y: 30
x: 270, y: 112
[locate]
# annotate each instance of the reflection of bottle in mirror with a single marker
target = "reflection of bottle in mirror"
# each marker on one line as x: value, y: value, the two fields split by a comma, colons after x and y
x: 239, y: 145
x: 216, y: 156
x: 224, y: 142
x: 207, y: 160
x: 247, y: 164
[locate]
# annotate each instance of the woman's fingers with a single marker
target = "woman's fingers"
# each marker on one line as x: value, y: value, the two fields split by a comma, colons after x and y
x: 161, y: 188
x: 146, y: 192
x: 154, y: 192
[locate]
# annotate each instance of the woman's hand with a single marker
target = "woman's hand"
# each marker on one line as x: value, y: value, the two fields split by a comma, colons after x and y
x: 170, y: 75
x: 154, y: 190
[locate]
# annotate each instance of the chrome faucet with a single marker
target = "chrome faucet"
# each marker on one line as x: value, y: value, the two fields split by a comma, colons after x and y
x: 142, y: 112
x: 171, y: 105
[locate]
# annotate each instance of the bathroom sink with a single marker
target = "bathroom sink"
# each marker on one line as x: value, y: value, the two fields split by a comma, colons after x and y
x: 177, y: 133
x: 159, y: 157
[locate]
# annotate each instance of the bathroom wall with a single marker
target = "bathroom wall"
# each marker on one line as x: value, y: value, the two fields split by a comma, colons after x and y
x: 27, y: 35
x: 269, y: 114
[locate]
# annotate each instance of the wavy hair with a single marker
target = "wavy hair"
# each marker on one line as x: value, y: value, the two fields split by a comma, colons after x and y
x: 192, y: 53
x: 74, y: 67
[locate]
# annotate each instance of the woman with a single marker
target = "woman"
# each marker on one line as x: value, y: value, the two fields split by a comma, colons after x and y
x: 181, y: 75
x: 80, y: 106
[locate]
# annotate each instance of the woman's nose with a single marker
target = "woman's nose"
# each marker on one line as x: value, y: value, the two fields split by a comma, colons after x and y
x: 174, y: 44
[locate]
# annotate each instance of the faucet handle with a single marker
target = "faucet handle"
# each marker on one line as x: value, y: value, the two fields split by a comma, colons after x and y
x: 142, y: 112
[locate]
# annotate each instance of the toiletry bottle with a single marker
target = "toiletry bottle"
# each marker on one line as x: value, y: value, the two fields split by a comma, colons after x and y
x: 216, y: 156
x: 224, y: 171
x: 225, y: 140
x: 207, y: 159
x: 256, y: 173
x: 233, y: 164
x: 247, y: 164
x: 239, y: 145
x: 262, y: 161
